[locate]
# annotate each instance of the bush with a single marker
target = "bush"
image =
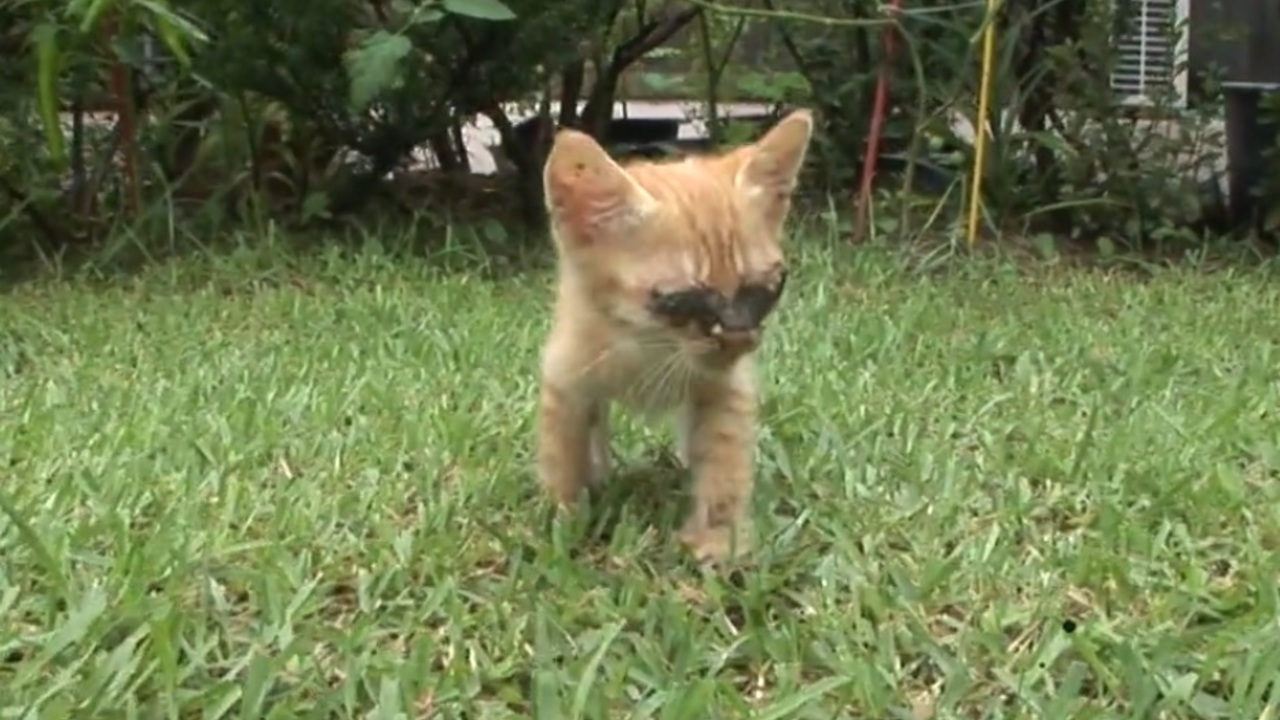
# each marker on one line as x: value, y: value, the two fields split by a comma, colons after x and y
x: 300, y: 111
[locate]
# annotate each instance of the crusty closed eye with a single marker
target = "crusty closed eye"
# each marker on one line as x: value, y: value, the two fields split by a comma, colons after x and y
x: 757, y: 301
x: 707, y: 307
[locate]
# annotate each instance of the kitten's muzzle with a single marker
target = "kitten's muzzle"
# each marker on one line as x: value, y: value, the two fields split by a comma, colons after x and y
x: 735, y: 341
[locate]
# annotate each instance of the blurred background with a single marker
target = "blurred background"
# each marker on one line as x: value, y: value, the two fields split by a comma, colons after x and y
x: 1111, y: 121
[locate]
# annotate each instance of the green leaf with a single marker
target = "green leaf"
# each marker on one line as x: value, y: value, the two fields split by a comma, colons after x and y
x: 425, y: 14
x: 174, y: 30
x: 76, y: 8
x: 592, y: 671
x: 372, y: 66
x: 482, y: 9
x: 316, y: 205
x: 169, y: 35
x: 547, y: 704
x: 91, y: 16
x: 48, y: 67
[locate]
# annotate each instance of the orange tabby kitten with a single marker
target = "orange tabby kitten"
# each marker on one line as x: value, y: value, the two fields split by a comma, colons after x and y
x: 667, y: 271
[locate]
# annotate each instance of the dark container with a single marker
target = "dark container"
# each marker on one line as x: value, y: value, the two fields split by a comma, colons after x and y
x: 1252, y: 158
x: 1238, y: 41
x: 1238, y: 37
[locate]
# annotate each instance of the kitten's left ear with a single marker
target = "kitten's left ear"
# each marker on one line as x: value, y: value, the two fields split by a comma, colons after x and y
x: 769, y: 171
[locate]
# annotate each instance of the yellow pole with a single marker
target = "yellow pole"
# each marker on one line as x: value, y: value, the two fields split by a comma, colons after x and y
x: 980, y: 127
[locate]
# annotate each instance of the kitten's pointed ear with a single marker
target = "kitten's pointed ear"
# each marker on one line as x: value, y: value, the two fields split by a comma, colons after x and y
x: 769, y: 172
x: 589, y: 196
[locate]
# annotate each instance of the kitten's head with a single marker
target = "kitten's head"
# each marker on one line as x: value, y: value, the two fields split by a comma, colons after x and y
x: 685, y: 251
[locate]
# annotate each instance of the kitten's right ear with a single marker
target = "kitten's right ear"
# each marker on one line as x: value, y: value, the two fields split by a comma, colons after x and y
x: 589, y: 196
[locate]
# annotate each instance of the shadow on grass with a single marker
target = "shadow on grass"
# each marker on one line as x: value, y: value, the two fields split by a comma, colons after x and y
x: 652, y: 494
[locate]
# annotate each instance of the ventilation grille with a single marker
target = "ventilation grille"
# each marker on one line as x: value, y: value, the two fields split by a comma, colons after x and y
x: 1145, y: 49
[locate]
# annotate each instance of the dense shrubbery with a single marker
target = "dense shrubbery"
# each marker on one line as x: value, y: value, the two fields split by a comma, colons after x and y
x: 309, y: 110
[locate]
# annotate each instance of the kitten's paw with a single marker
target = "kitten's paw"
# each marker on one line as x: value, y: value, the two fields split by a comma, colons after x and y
x: 716, y: 544
x: 565, y: 495
x: 601, y: 466
x: 682, y: 455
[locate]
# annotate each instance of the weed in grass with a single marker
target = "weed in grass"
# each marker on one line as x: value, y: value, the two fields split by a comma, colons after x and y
x: 983, y: 493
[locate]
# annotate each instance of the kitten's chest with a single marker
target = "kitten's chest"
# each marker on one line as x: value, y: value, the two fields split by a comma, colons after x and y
x: 651, y: 380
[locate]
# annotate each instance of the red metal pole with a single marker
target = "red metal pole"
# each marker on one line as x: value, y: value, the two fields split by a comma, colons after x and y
x: 878, y: 111
x: 126, y: 120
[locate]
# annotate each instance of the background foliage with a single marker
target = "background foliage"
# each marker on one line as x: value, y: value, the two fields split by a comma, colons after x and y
x: 137, y: 113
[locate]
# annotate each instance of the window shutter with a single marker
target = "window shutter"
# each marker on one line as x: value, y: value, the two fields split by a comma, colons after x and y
x: 1145, y: 48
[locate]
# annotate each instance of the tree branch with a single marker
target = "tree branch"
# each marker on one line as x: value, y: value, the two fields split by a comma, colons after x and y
x: 652, y: 36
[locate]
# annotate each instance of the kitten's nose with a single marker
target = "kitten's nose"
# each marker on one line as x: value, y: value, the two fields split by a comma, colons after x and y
x: 737, y: 342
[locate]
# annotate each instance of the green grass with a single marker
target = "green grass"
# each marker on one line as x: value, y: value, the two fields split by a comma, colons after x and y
x: 236, y: 491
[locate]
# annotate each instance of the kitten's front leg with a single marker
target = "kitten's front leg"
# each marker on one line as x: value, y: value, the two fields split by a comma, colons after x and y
x: 721, y: 447
x: 564, y: 443
x: 598, y: 428
x: 684, y: 435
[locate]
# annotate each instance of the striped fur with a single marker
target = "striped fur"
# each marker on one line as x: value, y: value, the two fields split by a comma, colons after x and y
x: 627, y: 237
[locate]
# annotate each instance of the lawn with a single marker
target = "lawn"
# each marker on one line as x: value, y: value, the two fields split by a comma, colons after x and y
x: 267, y: 489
